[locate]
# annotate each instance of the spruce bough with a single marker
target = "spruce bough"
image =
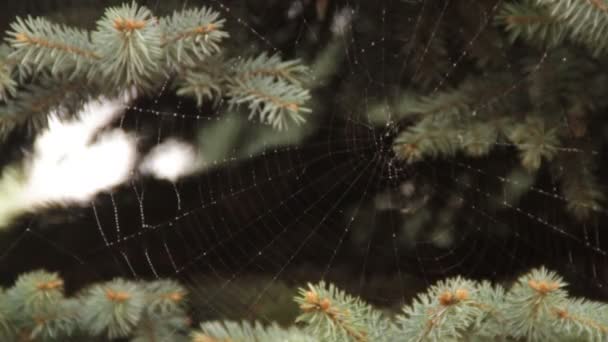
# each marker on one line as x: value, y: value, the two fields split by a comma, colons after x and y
x: 48, y: 66
x: 543, y: 102
x: 535, y: 308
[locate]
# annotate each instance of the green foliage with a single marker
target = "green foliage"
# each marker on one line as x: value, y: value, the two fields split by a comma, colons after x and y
x: 245, y: 331
x: 535, y: 142
x: 254, y: 83
x: 129, y: 46
x: 542, y: 102
x: 132, y: 48
x: 37, y: 305
x: 113, y: 309
x: 41, y: 45
x: 333, y: 315
x: 428, y: 138
x: 290, y: 71
x: 535, y: 308
x: 441, y: 313
x: 525, y: 20
x: 579, y: 185
x: 551, y: 22
x: 8, y: 86
x: 36, y: 309
x: 273, y: 104
x: 586, y: 21
x: 192, y: 35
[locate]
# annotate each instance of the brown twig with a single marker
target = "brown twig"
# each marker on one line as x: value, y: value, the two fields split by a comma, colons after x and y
x: 25, y: 38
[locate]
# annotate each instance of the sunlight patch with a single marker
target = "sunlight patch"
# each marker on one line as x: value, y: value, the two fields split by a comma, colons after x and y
x: 70, y: 164
x: 71, y: 161
x: 171, y: 160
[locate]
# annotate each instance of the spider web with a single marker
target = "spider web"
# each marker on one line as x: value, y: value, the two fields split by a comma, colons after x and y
x: 314, y: 210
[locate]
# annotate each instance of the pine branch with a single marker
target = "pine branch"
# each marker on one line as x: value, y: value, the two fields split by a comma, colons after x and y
x: 528, y: 21
x: 35, y: 309
x: 478, y: 139
x: 333, y: 315
x: 531, y: 305
x: 200, y: 84
x: 164, y: 317
x: 587, y: 20
x: 490, y: 323
x: 473, y: 98
x: 247, y: 332
x: 551, y: 22
x: 41, y: 45
x: 583, y: 319
x: 272, y: 88
x: 453, y: 120
x: 192, y: 35
x: 8, y: 86
x: 579, y: 185
x: 133, y: 49
x: 535, y: 142
x: 450, y: 102
x: 443, y: 313
x: 128, y: 41
x: 291, y: 71
x: 429, y: 137
x: 38, y: 308
x: 113, y: 309
x: 562, y: 80
x: 273, y: 102
x: 31, y: 105
x: 536, y: 308
x: 164, y: 297
x: 7, y: 328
